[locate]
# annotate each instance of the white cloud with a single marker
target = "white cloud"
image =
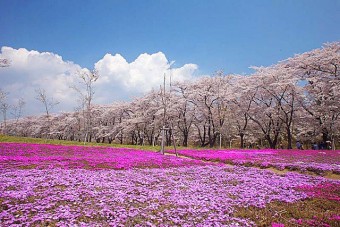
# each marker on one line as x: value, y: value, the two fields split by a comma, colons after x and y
x: 30, y: 70
x: 118, y: 80
x: 141, y: 75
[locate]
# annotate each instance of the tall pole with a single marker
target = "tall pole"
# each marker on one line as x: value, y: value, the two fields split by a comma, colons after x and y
x: 171, y: 125
x: 170, y: 120
x: 164, y: 115
x: 162, y: 144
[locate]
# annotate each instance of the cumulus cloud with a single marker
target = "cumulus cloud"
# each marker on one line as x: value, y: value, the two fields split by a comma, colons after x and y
x: 141, y: 75
x: 30, y: 70
x: 119, y: 79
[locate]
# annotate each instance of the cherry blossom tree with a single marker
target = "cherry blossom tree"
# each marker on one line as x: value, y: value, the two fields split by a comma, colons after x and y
x: 85, y: 89
x: 209, y: 95
x: 320, y: 69
x: 265, y: 108
x: 240, y: 103
x: 184, y: 110
x: 281, y: 86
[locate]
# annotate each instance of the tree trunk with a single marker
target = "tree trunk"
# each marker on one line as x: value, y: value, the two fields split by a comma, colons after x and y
x: 242, y: 140
x: 325, y: 135
x: 272, y: 143
x: 185, y: 139
x: 132, y: 139
x: 289, y: 138
x: 212, y: 141
x: 169, y: 138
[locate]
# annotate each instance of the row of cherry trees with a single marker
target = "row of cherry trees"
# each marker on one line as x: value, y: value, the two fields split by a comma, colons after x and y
x: 298, y: 98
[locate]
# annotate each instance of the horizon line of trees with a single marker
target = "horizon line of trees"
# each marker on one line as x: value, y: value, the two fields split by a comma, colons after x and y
x: 295, y: 99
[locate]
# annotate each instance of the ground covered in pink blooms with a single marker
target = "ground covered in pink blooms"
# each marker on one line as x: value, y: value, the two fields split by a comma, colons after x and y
x: 318, y: 161
x: 49, y: 185
x: 72, y: 157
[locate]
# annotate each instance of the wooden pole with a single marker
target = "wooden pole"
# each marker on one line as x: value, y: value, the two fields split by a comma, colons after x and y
x: 164, y: 114
x: 162, y: 144
x: 173, y: 140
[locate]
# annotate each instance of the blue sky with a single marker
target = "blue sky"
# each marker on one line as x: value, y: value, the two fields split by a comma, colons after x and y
x: 227, y: 35
x: 132, y: 42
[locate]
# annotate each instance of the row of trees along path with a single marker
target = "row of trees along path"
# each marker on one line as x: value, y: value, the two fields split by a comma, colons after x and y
x: 297, y: 98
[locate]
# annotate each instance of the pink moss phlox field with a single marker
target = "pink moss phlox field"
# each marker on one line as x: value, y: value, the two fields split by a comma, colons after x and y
x: 43, y: 185
x: 182, y: 196
x: 314, y: 222
x: 330, y: 191
x: 57, y: 156
x: 319, y: 161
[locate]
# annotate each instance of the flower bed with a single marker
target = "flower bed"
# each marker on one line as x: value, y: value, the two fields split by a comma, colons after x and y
x: 51, y: 185
x: 26, y: 156
x: 194, y: 195
x: 318, y: 161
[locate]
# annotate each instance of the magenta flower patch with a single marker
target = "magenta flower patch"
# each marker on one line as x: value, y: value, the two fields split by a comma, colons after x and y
x: 319, y: 161
x: 74, y: 157
x: 43, y: 185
